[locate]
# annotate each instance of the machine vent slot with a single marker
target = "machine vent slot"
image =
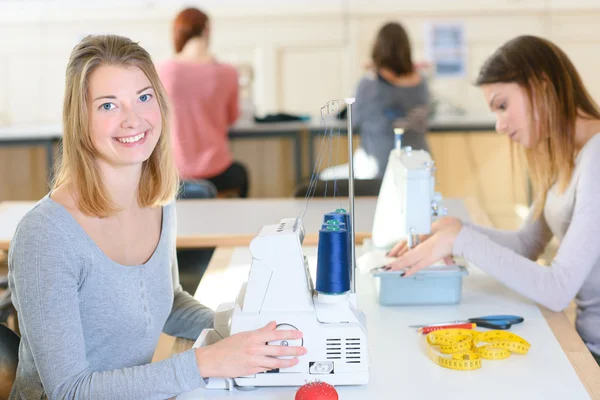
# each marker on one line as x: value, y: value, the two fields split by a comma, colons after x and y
x: 352, y: 350
x: 333, y: 349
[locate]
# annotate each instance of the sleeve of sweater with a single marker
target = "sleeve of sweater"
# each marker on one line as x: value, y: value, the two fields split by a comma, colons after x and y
x: 556, y: 285
x: 45, y: 277
x: 529, y: 241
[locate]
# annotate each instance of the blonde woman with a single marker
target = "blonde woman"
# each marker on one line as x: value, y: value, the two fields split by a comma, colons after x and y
x: 541, y: 104
x: 92, y: 267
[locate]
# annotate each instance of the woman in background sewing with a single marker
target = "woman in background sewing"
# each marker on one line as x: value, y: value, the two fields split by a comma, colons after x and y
x: 541, y: 103
x: 92, y: 266
x: 203, y: 93
x: 391, y: 95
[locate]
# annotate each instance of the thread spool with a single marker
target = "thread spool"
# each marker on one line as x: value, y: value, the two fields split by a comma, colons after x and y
x: 339, y: 215
x: 333, y: 272
x: 333, y: 222
x: 342, y: 216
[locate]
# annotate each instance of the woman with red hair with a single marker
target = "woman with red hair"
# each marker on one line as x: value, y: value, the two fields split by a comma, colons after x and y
x: 203, y: 93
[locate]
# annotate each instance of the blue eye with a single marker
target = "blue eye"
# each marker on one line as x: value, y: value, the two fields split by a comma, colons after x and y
x: 145, y: 98
x: 107, y: 106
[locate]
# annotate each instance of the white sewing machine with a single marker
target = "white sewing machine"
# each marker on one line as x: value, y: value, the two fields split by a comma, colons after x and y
x: 280, y: 288
x: 406, y: 207
x: 407, y: 201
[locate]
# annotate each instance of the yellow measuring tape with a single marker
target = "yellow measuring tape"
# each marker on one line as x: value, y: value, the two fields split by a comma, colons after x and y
x: 467, y: 347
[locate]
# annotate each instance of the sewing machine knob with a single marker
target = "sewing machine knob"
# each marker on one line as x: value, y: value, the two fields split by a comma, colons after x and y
x: 286, y: 342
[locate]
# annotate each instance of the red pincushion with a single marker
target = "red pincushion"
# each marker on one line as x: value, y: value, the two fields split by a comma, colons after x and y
x: 317, y: 391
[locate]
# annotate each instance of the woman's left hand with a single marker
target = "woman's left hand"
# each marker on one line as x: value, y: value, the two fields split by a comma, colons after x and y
x: 435, y: 248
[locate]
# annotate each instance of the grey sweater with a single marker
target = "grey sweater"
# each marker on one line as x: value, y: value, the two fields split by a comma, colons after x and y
x: 574, y: 218
x: 381, y: 106
x: 89, y: 325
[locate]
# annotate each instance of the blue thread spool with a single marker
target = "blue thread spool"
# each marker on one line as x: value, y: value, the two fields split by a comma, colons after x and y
x: 342, y: 216
x: 333, y: 272
x: 333, y: 222
x: 337, y: 215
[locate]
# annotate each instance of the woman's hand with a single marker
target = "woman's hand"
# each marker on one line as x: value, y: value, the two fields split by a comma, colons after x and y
x: 434, y: 247
x: 247, y: 353
x: 402, y: 247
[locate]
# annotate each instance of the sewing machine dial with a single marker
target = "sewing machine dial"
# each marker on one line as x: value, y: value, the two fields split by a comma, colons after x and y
x: 293, y: 342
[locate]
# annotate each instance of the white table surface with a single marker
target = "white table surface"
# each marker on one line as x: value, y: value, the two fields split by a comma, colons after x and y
x: 399, y: 365
x: 236, y: 221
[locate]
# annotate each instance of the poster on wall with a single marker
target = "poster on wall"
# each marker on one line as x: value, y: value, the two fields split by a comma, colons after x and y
x: 446, y: 49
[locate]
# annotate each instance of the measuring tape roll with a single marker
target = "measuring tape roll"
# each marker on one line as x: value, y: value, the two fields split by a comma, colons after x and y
x: 466, y: 354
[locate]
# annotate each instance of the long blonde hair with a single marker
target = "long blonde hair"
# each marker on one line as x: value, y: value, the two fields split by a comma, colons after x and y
x: 556, y: 95
x: 159, y: 179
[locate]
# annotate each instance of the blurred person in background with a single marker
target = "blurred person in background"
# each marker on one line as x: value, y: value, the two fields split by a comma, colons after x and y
x: 203, y: 94
x: 392, y: 94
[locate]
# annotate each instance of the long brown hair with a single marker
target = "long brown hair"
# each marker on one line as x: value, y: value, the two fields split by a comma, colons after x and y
x: 392, y: 49
x: 557, y: 96
x: 159, y: 180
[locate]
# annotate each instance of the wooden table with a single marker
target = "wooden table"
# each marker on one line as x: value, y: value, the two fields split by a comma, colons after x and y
x: 575, y: 350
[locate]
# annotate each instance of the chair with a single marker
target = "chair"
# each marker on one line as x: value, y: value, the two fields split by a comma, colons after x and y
x: 193, y: 262
x: 9, y: 358
x: 229, y: 193
x: 6, y: 307
x: 362, y: 187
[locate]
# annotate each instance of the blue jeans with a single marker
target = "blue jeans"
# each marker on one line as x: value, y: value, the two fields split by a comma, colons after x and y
x: 197, y: 189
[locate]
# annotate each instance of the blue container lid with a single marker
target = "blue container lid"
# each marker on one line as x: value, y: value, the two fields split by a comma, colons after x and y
x: 434, y: 271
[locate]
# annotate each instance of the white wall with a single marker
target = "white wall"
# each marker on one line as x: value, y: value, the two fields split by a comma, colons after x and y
x: 304, y: 53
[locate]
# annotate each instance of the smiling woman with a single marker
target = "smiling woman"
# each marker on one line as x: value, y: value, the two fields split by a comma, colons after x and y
x: 124, y: 126
x: 93, y: 272
x: 127, y: 103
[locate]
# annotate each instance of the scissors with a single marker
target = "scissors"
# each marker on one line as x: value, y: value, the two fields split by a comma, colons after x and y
x: 488, y: 321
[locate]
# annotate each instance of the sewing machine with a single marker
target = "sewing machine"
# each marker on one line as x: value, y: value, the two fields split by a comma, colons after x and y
x: 407, y: 201
x: 280, y: 288
x: 406, y: 207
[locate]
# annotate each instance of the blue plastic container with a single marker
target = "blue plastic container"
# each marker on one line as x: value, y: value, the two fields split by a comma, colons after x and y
x: 430, y: 286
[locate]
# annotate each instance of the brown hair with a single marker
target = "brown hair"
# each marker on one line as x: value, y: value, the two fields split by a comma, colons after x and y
x: 557, y: 96
x: 189, y: 23
x: 392, y: 49
x: 159, y: 180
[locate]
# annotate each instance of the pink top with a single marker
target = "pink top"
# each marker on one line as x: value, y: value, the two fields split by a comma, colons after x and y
x: 204, y: 103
